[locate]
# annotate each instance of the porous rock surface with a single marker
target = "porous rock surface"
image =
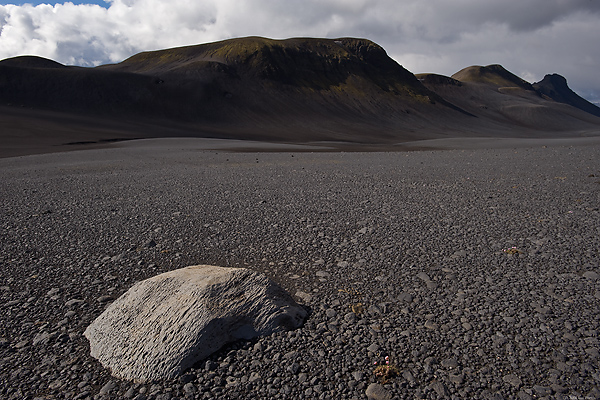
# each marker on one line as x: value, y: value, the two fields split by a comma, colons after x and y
x: 165, y: 324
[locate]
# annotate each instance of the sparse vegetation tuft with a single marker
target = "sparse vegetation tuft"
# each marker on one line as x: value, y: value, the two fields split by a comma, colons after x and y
x: 386, y: 372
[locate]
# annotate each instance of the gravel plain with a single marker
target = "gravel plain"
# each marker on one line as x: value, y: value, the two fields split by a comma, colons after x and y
x: 476, y: 272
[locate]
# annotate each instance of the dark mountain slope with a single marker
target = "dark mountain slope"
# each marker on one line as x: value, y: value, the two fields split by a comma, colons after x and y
x: 307, y: 68
x: 497, y: 95
x: 555, y: 87
x: 30, y: 62
x: 318, y: 64
x: 294, y: 90
x: 87, y: 91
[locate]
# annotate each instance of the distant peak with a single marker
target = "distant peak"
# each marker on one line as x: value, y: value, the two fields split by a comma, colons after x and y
x: 30, y: 62
x: 494, y: 74
x: 555, y: 79
x: 555, y: 87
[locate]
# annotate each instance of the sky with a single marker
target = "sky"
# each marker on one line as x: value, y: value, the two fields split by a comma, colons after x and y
x: 530, y: 38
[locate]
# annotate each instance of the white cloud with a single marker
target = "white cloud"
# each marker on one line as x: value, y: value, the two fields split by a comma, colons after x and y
x: 529, y: 37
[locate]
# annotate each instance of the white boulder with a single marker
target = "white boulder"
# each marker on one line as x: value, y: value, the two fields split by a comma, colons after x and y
x: 165, y: 324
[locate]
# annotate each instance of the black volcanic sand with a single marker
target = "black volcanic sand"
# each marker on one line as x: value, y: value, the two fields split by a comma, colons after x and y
x: 412, y: 242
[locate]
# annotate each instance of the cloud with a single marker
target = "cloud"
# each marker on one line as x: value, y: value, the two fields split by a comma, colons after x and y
x: 529, y: 37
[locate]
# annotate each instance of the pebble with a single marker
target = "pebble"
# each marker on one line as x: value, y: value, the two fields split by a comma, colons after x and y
x: 73, y: 302
x: 377, y: 392
x: 373, y: 348
x: 430, y: 324
x: 440, y: 388
x: 512, y: 380
x: 305, y: 297
x: 591, y: 275
x: 108, y: 387
x: 294, y: 368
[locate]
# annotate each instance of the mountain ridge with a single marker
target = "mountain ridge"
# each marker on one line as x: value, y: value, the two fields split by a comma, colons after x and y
x: 295, y: 90
x: 494, y: 74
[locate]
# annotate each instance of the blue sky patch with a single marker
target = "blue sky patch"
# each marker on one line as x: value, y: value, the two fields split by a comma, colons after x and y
x: 101, y: 3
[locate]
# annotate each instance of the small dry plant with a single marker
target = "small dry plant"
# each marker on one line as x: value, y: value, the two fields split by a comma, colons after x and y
x: 512, y: 250
x: 356, y: 306
x: 386, y: 372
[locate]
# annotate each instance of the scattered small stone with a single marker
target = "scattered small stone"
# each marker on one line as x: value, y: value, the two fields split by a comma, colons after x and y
x: 189, y: 388
x: 456, y: 379
x: 429, y: 324
x: 373, y: 348
x: 358, y: 375
x: 350, y: 317
x: 305, y: 297
x: 108, y: 387
x: 591, y: 275
x: 405, y: 297
x: 258, y: 347
x: 104, y: 299
x: 410, y: 378
x: 513, y: 380
x: 130, y: 393
x: 449, y: 363
x: 542, y: 390
x: 440, y: 388
x: 57, y: 384
x: 254, y: 376
x: 186, y: 378
x: 331, y: 313
x: 42, y: 338
x: 423, y: 276
x: 558, y: 388
x: 73, y: 302
x: 377, y: 392
x: 294, y: 368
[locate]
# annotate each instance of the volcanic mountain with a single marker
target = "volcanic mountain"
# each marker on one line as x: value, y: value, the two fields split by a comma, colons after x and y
x: 555, y: 87
x: 294, y: 90
x: 504, y: 100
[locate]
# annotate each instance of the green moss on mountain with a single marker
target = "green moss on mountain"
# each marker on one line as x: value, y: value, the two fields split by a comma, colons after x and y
x: 317, y: 64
